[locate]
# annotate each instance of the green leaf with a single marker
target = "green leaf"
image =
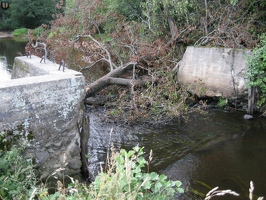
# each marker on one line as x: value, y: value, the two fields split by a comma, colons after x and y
x: 180, y: 190
x: 162, y: 177
x: 154, y: 176
x: 178, y: 183
x: 147, y: 184
x: 157, y: 187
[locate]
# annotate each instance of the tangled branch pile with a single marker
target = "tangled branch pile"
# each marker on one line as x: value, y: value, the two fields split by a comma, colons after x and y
x: 144, y: 40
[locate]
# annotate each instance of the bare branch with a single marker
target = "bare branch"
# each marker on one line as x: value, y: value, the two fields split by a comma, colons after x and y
x: 93, y: 64
x: 111, y: 64
x: 37, y: 44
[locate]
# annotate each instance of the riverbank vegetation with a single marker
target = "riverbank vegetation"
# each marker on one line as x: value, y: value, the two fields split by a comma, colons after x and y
x: 256, y: 74
x: 20, y: 32
x: 27, y: 14
x: 123, y: 178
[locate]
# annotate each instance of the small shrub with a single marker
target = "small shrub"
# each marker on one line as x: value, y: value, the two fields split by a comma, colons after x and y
x: 256, y: 73
x: 221, y: 102
x: 20, y: 31
x: 124, y: 179
x: 17, y: 177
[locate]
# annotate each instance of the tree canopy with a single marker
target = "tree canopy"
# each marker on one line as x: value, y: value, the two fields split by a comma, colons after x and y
x: 27, y: 13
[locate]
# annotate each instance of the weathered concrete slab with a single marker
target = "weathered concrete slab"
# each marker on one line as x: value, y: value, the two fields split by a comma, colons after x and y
x: 48, y: 104
x: 214, y: 71
x: 24, y: 67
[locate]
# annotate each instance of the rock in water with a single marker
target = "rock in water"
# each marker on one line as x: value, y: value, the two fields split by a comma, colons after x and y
x: 248, y: 117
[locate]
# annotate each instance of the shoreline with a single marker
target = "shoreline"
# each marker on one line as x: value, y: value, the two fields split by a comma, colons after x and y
x: 5, y: 34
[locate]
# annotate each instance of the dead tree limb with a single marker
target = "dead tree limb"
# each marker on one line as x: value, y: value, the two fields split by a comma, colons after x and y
x: 112, y: 78
x: 111, y: 64
x: 93, y: 64
x: 37, y: 44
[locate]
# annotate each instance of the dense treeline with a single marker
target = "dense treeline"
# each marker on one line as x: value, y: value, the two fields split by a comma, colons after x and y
x: 27, y: 13
x: 153, y: 28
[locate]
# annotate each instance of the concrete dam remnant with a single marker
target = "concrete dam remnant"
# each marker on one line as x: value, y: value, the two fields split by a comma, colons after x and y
x: 48, y: 104
x: 217, y: 71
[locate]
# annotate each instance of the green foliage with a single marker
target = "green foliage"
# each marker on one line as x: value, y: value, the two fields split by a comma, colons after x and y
x: 38, y: 31
x: 256, y: 73
x: 128, y: 8
x: 233, y: 2
x: 221, y: 102
x: 126, y: 180
x: 157, y: 13
x: 16, y: 174
x: 20, y: 31
x: 27, y: 13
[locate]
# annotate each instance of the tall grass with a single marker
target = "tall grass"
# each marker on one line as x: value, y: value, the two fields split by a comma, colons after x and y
x: 215, y: 192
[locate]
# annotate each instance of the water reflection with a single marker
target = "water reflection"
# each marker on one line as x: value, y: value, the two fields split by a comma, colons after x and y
x: 9, y: 49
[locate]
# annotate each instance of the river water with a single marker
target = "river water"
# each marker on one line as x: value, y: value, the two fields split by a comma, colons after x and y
x: 217, y: 148
x: 203, y: 151
x: 9, y: 49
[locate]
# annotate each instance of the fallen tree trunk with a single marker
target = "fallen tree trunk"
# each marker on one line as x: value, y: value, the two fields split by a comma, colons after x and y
x: 112, y: 78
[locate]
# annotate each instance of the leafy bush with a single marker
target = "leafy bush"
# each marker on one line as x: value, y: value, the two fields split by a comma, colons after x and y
x: 16, y: 175
x: 221, y: 102
x: 256, y: 73
x: 123, y: 180
x: 20, y: 31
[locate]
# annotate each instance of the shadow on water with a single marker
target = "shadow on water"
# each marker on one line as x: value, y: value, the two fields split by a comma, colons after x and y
x: 215, y: 149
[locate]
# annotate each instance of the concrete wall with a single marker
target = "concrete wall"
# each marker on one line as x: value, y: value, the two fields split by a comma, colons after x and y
x: 214, y: 71
x: 49, y: 105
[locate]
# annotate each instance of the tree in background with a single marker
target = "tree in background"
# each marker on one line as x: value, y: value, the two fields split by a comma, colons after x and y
x: 27, y: 13
x: 229, y: 23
